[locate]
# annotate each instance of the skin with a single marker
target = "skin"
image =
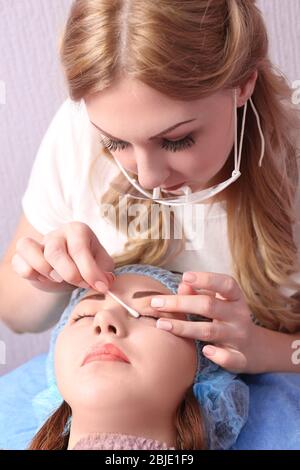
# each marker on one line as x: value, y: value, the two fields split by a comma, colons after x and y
x: 235, y: 342
x: 140, y: 397
x: 151, y: 112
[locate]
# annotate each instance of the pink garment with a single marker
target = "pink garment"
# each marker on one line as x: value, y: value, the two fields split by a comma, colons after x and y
x: 115, y: 441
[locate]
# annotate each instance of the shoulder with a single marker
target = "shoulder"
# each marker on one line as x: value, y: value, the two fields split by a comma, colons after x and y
x: 79, y: 155
x: 64, y: 134
x: 69, y: 144
x: 71, y: 118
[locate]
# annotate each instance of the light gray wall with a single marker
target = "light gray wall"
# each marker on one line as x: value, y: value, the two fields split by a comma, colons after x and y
x: 29, y: 33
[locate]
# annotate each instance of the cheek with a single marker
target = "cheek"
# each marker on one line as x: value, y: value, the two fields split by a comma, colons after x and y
x: 168, y: 361
x: 126, y: 159
x: 180, y: 359
x: 69, y: 352
x: 210, y: 152
x: 202, y: 162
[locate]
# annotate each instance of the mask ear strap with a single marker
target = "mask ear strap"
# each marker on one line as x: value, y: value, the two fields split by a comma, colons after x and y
x: 237, y: 159
x: 263, y: 143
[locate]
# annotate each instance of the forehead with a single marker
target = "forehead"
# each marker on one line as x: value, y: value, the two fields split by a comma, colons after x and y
x: 136, y: 93
x: 109, y: 108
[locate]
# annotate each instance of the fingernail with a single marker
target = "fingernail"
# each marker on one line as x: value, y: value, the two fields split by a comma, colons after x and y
x: 164, y: 325
x: 189, y: 277
x: 18, y: 264
x: 111, y: 277
x: 157, y: 302
x: 55, y: 276
x: 101, y: 286
x: 209, y: 350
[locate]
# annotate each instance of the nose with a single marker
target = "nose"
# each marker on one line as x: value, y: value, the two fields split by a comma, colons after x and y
x: 110, y: 322
x: 152, y: 170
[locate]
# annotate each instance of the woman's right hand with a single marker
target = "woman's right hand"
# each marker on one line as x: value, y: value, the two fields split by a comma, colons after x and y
x: 69, y: 257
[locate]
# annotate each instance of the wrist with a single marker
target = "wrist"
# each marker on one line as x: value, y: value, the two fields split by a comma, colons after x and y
x: 274, y: 351
x: 264, y: 350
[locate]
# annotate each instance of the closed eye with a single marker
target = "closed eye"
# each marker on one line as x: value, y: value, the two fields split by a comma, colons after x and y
x: 148, y: 316
x: 86, y: 315
x: 170, y: 145
x: 83, y: 315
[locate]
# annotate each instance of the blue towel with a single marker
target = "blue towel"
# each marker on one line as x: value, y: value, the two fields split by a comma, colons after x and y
x: 274, y: 414
x: 18, y: 423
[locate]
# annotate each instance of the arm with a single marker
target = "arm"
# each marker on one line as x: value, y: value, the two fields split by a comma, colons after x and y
x: 23, y: 307
x: 278, y: 352
x: 285, y: 349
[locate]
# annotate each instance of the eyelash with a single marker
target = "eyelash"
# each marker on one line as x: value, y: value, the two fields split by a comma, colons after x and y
x: 79, y: 316
x: 173, y: 146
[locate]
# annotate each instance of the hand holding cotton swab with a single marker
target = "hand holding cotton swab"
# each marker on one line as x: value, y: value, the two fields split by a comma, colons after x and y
x: 132, y: 312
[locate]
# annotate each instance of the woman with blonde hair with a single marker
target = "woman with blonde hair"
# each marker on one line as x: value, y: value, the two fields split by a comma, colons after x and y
x: 175, y: 112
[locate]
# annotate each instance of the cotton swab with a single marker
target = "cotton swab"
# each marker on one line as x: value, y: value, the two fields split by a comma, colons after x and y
x: 132, y: 312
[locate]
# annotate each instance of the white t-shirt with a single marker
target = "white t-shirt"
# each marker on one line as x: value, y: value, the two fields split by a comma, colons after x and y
x: 59, y: 191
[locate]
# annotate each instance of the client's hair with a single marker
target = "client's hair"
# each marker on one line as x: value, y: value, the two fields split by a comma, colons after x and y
x: 189, y: 423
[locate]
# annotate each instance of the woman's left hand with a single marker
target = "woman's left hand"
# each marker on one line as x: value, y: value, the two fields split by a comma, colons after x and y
x: 236, y: 339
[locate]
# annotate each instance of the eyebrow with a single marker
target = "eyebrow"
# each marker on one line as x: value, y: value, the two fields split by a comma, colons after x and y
x: 145, y: 293
x: 150, y: 138
x: 136, y: 295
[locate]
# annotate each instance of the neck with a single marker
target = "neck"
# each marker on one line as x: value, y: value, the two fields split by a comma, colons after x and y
x: 159, y: 428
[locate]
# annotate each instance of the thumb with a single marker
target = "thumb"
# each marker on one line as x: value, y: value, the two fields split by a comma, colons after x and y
x: 230, y: 359
x: 102, y: 261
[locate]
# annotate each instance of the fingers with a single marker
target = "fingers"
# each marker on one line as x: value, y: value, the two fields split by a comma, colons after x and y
x: 229, y: 359
x: 88, y: 253
x: 102, y: 258
x: 29, y: 261
x: 210, y: 332
x: 219, y: 283
x: 202, y: 305
x: 76, y: 254
x: 23, y: 269
x: 185, y: 289
x: 204, y: 331
x: 56, y: 253
x: 72, y: 254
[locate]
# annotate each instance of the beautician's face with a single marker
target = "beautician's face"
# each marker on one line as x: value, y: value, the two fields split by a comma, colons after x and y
x: 161, y: 365
x: 132, y: 112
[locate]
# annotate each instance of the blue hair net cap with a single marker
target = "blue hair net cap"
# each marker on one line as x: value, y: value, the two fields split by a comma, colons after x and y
x: 222, y: 396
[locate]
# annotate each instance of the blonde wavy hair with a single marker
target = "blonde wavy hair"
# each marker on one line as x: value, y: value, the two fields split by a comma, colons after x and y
x: 188, y: 50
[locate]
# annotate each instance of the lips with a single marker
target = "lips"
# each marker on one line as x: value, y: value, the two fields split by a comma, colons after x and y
x: 105, y: 352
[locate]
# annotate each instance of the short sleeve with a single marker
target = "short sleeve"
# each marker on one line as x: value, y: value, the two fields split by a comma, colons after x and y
x: 47, y: 201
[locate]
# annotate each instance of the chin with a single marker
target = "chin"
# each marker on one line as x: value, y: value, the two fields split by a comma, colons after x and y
x: 96, y: 386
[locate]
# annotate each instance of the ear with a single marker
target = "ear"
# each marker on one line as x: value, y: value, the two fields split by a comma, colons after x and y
x: 244, y: 91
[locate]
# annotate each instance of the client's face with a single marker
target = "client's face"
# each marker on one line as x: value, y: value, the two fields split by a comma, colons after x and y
x: 159, y: 367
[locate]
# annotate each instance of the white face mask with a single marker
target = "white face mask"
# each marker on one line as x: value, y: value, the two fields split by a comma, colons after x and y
x: 188, y: 196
